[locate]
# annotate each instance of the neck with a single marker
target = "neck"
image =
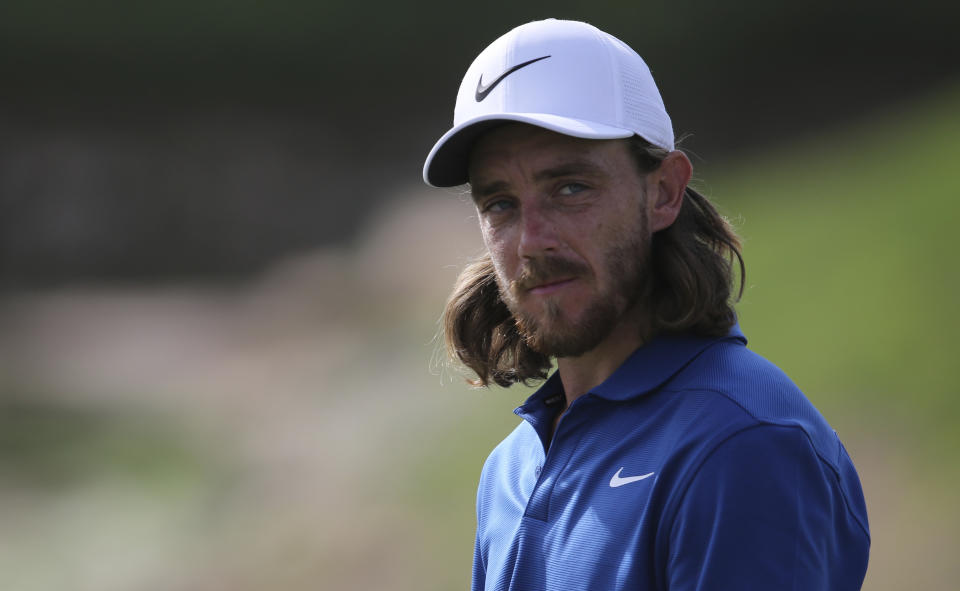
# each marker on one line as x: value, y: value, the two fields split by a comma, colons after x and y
x: 580, y: 374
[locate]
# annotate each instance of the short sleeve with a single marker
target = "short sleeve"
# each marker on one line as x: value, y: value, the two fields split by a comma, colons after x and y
x: 765, y: 511
x: 478, y: 581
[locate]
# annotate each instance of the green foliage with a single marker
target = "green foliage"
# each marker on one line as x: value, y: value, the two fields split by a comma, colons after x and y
x: 54, y: 447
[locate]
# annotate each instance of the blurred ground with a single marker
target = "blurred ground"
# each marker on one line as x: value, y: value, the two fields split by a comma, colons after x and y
x: 275, y: 412
x: 295, y: 431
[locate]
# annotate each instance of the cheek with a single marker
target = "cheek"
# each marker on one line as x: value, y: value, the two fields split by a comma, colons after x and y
x: 499, y: 250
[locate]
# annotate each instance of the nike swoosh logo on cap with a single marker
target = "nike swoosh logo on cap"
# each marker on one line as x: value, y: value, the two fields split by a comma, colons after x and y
x: 483, y: 91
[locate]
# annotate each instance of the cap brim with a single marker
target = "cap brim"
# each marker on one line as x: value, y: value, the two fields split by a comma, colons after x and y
x: 447, y: 163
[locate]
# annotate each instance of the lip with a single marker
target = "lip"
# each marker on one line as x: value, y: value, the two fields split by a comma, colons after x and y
x: 551, y: 287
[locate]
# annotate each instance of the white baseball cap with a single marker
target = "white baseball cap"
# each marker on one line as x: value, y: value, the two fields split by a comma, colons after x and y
x: 565, y: 76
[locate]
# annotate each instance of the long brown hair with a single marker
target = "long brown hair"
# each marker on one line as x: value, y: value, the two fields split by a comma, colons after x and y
x: 690, y: 288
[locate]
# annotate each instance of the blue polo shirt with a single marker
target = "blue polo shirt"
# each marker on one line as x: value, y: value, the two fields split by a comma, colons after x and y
x: 696, y: 465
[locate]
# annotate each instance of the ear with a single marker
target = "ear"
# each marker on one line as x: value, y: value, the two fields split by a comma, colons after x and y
x: 665, y: 190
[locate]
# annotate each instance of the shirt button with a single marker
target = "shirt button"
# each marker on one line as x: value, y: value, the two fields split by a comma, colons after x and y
x: 537, y: 471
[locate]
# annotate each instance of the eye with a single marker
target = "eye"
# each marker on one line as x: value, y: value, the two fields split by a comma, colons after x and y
x: 497, y: 206
x: 571, y: 189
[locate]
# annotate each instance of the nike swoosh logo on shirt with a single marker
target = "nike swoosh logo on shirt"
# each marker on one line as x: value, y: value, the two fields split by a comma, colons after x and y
x: 618, y: 480
x: 483, y: 91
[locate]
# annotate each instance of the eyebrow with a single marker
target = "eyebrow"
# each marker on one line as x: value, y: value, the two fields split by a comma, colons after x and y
x: 570, y: 168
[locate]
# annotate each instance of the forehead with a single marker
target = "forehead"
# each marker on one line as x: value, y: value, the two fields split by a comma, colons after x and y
x: 518, y: 147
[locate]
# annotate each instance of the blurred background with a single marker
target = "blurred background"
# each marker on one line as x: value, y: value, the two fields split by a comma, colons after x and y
x: 220, y: 274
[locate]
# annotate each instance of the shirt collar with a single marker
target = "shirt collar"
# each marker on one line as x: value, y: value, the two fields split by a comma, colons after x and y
x: 655, y: 363
x: 646, y: 369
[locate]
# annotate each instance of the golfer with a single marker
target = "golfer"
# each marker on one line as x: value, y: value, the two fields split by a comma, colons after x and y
x: 661, y: 454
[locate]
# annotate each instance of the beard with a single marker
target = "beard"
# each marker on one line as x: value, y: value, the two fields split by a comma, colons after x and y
x: 553, y: 332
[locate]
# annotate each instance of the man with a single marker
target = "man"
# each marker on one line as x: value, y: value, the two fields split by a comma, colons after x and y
x: 662, y: 453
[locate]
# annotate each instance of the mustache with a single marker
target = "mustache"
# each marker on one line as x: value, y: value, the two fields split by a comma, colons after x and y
x: 539, y: 271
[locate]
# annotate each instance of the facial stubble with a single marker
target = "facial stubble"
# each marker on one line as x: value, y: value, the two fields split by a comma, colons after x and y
x: 552, y: 332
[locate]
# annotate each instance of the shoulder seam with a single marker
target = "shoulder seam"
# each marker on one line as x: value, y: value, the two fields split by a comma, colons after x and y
x: 833, y: 469
x: 832, y: 462
x: 715, y: 391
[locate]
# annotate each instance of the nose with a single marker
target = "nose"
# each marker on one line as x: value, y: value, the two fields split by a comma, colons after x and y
x: 538, y: 234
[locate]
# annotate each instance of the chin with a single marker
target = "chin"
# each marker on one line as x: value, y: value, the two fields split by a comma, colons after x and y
x: 564, y: 344
x: 555, y: 333
x: 563, y: 338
